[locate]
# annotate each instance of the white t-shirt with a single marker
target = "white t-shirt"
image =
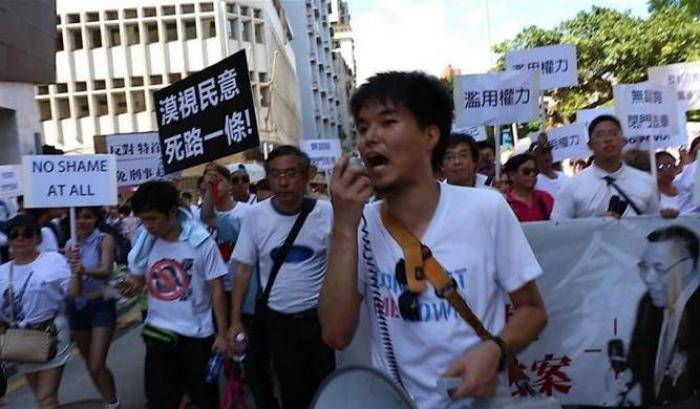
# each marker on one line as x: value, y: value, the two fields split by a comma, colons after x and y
x: 480, y: 180
x: 48, y: 240
x: 685, y: 183
x: 477, y: 239
x: 39, y: 288
x: 668, y: 202
x: 549, y: 185
x: 587, y: 194
x: 299, y: 280
x: 228, y: 227
x: 179, y: 288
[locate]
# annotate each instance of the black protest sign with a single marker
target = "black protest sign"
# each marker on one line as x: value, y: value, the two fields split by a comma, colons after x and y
x: 206, y: 116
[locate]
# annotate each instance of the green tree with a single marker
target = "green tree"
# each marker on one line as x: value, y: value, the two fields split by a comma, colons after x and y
x: 693, y: 6
x: 612, y: 47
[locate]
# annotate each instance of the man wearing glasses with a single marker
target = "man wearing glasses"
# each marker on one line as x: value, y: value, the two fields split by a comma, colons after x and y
x: 665, y: 352
x: 608, y: 187
x: 241, y: 186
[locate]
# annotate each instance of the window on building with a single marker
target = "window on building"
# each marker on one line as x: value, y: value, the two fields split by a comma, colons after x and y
x: 118, y: 83
x: 257, y: 13
x: 59, y: 40
x: 76, y: 39
x: 115, y: 38
x: 247, y: 31
x: 152, y: 33
x: 175, y: 77
x: 262, y: 77
x: 149, y: 11
x: 42, y: 89
x: 260, y: 33
x: 58, y: 19
x: 206, y: 7
x: 80, y: 86
x: 233, y: 29
x: 61, y: 88
x: 264, y: 96
x: 156, y: 79
x: 94, y: 16
x: 95, y: 36
x: 73, y: 18
x: 101, y: 105
x: 63, y: 108
x: 132, y: 34
x: 98, y: 84
x: 168, y: 10
x: 187, y: 8
x: 119, y: 102
x: 111, y: 15
x: 82, y: 106
x: 138, y: 100
x: 44, y: 110
x: 136, y: 81
x: 171, y: 31
x: 245, y: 11
x: 130, y: 13
x: 190, y: 29
x: 231, y: 8
x: 209, y: 27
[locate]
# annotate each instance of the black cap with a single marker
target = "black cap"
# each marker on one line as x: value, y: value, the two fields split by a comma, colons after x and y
x: 22, y: 220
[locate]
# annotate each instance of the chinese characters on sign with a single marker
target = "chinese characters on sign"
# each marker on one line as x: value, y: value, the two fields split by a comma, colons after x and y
x: 138, y: 157
x: 570, y: 141
x: 495, y: 99
x: 555, y: 63
x: 10, y: 181
x: 324, y: 153
x: 684, y: 77
x: 207, y: 115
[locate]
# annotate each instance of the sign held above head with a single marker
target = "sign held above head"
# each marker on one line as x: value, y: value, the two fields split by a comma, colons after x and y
x: 555, y: 63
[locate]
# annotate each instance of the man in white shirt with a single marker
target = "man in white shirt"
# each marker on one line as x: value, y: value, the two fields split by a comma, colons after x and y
x: 608, y: 187
x: 460, y: 162
x: 685, y: 183
x: 241, y: 186
x: 548, y: 179
x: 300, y: 358
x: 403, y: 119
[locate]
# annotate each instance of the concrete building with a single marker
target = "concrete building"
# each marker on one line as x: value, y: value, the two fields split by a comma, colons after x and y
x: 312, y: 45
x: 344, y: 68
x: 113, y: 54
x: 26, y: 59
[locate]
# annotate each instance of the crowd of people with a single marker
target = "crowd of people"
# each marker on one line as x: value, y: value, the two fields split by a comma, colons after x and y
x: 276, y: 279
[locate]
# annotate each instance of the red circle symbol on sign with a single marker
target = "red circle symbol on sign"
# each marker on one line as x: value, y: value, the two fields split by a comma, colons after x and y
x: 167, y: 280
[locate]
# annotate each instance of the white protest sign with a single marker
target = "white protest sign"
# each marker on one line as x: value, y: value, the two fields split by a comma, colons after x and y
x: 685, y: 77
x: 69, y: 180
x: 10, y: 180
x: 496, y: 98
x: 693, y: 129
x: 476, y: 132
x: 647, y: 111
x: 555, y: 63
x: 138, y: 157
x: 570, y: 141
x: 586, y: 116
x: 324, y: 153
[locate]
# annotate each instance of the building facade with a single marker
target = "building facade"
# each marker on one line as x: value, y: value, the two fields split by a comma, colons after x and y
x: 344, y: 65
x: 111, y: 56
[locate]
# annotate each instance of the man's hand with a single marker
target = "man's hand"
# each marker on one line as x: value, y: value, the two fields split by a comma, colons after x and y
x: 131, y: 287
x: 220, y: 344
x: 478, y: 369
x: 350, y: 188
x: 235, y: 329
x: 668, y: 213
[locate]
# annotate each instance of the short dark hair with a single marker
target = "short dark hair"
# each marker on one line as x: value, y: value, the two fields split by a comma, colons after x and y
x: 95, y: 210
x: 425, y: 96
x: 220, y: 169
x: 659, y: 154
x: 679, y: 233
x: 602, y: 118
x: 456, y: 138
x: 23, y: 220
x: 284, y: 150
x: 515, y: 161
x: 157, y: 195
x: 186, y: 195
x: 486, y: 145
x: 262, y: 184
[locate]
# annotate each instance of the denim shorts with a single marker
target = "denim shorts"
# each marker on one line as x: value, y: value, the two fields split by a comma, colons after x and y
x: 96, y: 313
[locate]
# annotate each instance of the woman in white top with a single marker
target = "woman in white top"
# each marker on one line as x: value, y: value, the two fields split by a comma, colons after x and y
x: 667, y: 169
x: 39, y: 283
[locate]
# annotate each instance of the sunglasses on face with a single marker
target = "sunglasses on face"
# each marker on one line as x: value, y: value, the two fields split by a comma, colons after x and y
x: 665, y: 166
x: 241, y: 179
x: 528, y: 171
x: 24, y: 233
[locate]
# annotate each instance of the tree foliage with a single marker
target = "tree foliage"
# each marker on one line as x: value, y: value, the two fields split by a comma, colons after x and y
x: 613, y: 47
x: 693, y: 6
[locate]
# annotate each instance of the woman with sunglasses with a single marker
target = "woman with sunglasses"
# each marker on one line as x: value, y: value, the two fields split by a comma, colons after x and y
x: 92, y: 318
x: 528, y: 203
x: 39, y: 281
x: 666, y: 172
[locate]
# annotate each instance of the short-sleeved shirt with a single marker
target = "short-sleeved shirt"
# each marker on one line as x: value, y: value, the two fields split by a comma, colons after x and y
x: 685, y: 183
x: 299, y: 280
x: 39, y: 288
x: 228, y: 227
x: 49, y: 241
x: 477, y: 239
x: 588, y: 194
x: 179, y: 288
x: 539, y: 209
x: 91, y: 257
x: 550, y: 185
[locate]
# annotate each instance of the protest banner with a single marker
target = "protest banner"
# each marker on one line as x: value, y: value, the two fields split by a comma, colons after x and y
x: 10, y: 181
x: 69, y: 180
x: 206, y: 116
x: 649, y: 115
x: 555, y: 63
x: 476, y: 132
x: 324, y: 153
x: 567, y: 142
x: 685, y: 77
x: 495, y: 99
x: 138, y: 157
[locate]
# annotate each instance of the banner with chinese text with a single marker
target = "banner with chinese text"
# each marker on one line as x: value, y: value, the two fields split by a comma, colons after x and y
x: 555, y: 63
x: 138, y: 157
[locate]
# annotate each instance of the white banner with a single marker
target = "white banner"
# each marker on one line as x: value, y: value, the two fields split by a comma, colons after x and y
x: 10, y: 181
x: 138, y: 157
x: 570, y: 141
x: 69, y: 180
x: 685, y: 77
x: 649, y: 115
x: 555, y: 63
x: 496, y: 99
x: 324, y: 153
x: 476, y: 132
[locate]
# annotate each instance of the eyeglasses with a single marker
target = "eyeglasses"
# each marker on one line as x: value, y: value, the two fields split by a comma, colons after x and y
x: 276, y: 174
x: 529, y: 171
x: 241, y: 179
x: 666, y: 166
x: 644, y: 267
x: 24, y: 233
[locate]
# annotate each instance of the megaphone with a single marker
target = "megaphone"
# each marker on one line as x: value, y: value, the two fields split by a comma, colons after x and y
x: 360, y: 387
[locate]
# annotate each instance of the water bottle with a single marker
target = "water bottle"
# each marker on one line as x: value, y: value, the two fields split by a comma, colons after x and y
x: 214, y: 367
x: 239, y: 348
